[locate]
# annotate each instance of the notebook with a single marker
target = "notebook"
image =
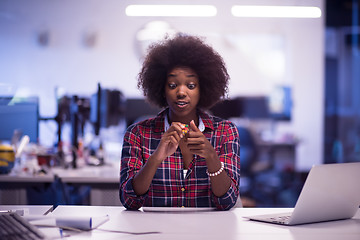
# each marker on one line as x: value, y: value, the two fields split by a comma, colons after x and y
x: 330, y: 192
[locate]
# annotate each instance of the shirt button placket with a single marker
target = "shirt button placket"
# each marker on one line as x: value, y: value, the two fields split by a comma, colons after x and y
x: 183, y: 196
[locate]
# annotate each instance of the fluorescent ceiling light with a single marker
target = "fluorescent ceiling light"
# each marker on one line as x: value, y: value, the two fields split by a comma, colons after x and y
x: 171, y: 10
x: 276, y: 11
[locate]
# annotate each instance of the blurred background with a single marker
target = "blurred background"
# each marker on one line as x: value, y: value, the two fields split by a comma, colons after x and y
x: 68, y: 81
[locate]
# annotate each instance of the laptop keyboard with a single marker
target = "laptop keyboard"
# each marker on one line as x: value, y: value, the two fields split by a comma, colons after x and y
x: 13, y: 226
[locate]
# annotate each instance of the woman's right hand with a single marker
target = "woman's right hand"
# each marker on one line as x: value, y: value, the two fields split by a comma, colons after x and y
x: 169, y: 141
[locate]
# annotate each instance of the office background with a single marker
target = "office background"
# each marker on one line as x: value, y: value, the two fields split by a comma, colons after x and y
x: 75, y: 45
x: 56, y: 48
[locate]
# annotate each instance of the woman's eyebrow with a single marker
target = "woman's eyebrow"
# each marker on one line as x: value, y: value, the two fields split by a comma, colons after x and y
x: 191, y: 75
x: 187, y: 75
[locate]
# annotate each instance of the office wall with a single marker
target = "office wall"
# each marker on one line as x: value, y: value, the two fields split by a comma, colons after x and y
x: 74, y: 45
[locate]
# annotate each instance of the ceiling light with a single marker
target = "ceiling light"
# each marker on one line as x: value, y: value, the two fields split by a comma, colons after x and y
x: 276, y: 11
x: 171, y: 10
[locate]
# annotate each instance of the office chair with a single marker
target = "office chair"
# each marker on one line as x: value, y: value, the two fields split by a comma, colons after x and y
x: 248, y: 156
x: 259, y: 181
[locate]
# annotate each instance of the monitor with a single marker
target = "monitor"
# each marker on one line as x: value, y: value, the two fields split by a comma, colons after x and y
x: 139, y: 109
x: 280, y: 103
x: 227, y: 108
x: 19, y: 115
x: 255, y: 107
x: 249, y: 107
x: 106, y: 108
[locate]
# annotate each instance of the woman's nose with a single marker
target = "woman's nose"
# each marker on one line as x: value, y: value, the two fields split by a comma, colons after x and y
x: 181, y: 92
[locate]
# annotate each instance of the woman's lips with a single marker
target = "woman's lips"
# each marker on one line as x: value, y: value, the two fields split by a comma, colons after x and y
x: 181, y: 104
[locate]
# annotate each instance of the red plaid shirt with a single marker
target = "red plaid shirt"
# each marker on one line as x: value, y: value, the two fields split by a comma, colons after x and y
x: 169, y: 187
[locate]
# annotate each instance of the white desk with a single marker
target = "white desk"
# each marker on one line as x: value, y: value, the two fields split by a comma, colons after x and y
x: 206, y: 225
x: 103, y: 180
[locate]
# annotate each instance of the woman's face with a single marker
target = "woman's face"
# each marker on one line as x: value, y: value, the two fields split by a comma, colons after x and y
x: 182, y: 92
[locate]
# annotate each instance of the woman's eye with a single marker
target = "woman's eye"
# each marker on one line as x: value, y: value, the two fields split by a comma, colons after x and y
x: 172, y: 85
x: 191, y: 86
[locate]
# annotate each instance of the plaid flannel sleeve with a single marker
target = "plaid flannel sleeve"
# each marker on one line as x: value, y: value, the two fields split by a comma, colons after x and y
x: 131, y: 163
x: 230, y: 156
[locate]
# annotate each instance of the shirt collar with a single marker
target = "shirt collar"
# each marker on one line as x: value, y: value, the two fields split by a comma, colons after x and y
x: 167, y: 124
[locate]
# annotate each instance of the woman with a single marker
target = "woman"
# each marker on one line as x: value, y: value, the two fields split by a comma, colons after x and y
x: 183, y: 157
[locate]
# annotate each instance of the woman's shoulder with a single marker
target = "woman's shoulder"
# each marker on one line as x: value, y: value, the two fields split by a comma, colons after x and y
x: 224, y: 124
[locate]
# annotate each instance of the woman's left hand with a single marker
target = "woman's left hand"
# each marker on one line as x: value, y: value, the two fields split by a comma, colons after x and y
x: 198, y: 144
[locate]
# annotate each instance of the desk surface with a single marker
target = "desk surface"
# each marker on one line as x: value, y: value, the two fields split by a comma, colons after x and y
x: 87, y: 174
x: 205, y: 225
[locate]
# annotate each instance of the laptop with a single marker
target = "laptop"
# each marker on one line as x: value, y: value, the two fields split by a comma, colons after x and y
x: 331, y: 192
